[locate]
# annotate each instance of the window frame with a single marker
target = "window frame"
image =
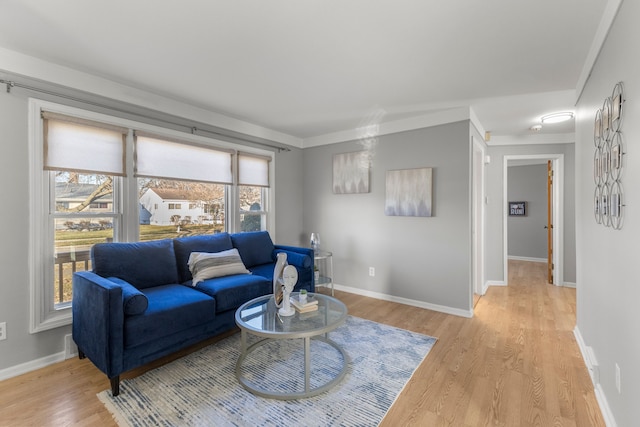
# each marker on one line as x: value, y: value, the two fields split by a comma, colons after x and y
x: 43, y: 314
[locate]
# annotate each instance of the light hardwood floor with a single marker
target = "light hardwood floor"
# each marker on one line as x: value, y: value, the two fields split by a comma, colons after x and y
x: 515, y: 363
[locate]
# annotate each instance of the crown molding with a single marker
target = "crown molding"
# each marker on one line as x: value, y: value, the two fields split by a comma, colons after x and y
x: 35, y: 68
x: 537, y: 139
x: 423, y: 121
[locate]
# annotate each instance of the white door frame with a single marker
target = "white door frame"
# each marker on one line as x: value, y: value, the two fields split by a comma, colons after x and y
x: 478, y: 216
x: 558, y: 212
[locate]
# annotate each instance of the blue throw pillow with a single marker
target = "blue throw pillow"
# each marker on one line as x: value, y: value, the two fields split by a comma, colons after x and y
x: 133, y: 301
x: 296, y: 259
x: 255, y: 247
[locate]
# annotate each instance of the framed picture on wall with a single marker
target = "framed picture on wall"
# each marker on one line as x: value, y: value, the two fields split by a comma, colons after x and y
x: 409, y: 192
x: 351, y: 173
x: 517, y: 208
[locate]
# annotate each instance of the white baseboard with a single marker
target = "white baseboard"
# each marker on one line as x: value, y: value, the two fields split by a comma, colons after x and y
x: 23, y: 368
x: 590, y: 360
x: 524, y: 258
x: 609, y: 420
x: 569, y: 284
x: 406, y: 301
x: 495, y: 283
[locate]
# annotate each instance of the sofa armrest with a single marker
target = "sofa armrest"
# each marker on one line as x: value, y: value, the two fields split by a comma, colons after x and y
x: 98, y: 321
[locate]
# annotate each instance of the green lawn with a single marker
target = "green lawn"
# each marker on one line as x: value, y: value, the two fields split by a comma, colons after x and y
x: 79, y: 239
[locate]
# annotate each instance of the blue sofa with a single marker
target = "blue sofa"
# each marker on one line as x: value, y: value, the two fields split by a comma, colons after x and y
x: 138, y: 304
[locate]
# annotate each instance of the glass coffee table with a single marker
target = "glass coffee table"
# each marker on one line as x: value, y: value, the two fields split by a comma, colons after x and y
x: 259, y: 318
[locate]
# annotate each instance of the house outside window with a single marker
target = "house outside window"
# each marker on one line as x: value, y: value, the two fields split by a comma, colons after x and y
x: 87, y: 187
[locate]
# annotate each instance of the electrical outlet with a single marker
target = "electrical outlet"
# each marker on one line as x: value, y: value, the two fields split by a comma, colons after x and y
x: 372, y: 271
x: 3, y: 331
x: 618, y: 386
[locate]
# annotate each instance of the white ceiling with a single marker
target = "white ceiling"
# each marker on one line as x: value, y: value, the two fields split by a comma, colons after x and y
x: 314, y: 67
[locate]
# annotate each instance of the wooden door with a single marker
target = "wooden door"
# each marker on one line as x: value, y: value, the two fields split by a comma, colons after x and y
x: 549, y: 226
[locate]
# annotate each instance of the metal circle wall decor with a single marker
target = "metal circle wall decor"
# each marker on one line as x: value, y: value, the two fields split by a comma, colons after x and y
x: 608, y: 160
x: 597, y: 129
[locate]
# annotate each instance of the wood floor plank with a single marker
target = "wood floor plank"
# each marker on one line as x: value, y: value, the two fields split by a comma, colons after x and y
x: 515, y: 363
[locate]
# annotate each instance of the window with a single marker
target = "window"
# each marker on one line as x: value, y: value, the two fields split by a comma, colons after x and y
x: 96, y: 178
x: 198, y: 219
x: 77, y: 225
x: 253, y: 180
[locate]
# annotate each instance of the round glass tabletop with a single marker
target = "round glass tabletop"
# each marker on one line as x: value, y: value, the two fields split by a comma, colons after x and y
x: 260, y: 317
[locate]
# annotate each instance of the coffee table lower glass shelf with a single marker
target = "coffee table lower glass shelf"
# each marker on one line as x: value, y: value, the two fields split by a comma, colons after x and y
x: 260, y: 319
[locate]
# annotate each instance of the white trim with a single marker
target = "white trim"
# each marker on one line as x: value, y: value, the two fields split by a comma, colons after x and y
x: 524, y: 258
x: 594, y: 372
x: 23, y: 368
x: 558, y: 212
x: 536, y: 139
x: 606, y: 22
x: 424, y: 121
x: 496, y: 283
x: 478, y: 215
x: 406, y: 301
x: 569, y: 285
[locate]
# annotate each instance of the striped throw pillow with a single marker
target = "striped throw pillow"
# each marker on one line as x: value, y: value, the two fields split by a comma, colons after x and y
x: 205, y: 265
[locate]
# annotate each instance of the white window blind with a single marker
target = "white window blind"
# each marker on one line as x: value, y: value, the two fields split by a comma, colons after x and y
x: 157, y: 157
x: 83, y: 146
x: 253, y: 170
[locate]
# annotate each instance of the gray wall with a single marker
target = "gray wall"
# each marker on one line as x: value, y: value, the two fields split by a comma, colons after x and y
x: 288, y: 194
x: 608, y: 287
x: 422, y: 259
x: 494, y: 260
x: 20, y: 346
x: 527, y: 236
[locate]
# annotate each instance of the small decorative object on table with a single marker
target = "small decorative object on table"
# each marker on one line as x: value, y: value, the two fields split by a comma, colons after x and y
x: 302, y: 297
x: 310, y: 304
x: 315, y: 241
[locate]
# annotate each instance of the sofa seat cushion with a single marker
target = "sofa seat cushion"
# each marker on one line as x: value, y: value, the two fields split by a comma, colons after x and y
x: 264, y: 270
x: 171, y: 309
x: 230, y: 292
x: 205, y: 243
x: 143, y: 264
x: 255, y: 247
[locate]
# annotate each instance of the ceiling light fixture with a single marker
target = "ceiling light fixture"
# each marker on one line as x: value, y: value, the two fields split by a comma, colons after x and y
x: 535, y: 128
x: 557, y: 117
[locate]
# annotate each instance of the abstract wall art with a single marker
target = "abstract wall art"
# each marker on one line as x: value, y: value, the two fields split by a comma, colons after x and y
x: 409, y: 192
x: 351, y: 173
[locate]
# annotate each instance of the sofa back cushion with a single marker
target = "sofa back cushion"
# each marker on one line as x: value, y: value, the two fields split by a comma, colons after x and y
x: 143, y: 264
x: 183, y: 247
x: 255, y: 247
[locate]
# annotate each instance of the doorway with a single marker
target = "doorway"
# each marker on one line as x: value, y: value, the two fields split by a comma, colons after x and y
x: 557, y: 163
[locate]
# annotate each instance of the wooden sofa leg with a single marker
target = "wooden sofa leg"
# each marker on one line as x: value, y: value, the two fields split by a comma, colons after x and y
x: 81, y: 354
x: 115, y: 385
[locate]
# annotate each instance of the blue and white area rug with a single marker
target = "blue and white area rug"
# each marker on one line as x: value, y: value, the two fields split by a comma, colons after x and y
x: 201, y: 389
